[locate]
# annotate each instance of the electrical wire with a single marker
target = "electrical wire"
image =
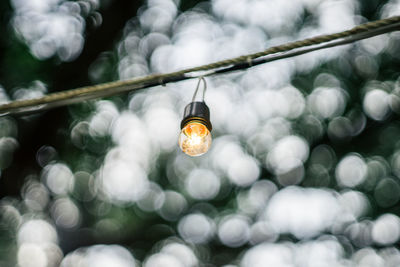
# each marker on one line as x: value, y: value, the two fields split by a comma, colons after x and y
x: 287, y: 50
x: 201, y: 78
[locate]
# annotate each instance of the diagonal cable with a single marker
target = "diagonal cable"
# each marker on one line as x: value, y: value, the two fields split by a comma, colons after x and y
x: 287, y: 50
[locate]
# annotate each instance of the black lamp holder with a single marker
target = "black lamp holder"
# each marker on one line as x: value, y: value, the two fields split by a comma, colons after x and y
x: 197, y: 111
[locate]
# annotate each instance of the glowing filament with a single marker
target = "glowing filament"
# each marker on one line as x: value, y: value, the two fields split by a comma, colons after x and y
x: 195, y: 139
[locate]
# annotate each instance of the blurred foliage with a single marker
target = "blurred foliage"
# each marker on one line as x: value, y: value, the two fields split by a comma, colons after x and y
x: 305, y: 155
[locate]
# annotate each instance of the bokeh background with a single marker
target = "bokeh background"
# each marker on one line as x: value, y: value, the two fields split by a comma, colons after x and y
x: 305, y: 164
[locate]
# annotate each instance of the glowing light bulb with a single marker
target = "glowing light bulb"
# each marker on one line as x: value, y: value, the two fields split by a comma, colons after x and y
x: 195, y: 139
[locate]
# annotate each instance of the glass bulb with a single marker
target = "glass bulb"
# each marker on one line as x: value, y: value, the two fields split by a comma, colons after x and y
x: 195, y: 139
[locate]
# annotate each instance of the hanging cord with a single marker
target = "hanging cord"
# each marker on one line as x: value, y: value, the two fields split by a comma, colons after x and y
x: 201, y: 78
x: 67, y: 97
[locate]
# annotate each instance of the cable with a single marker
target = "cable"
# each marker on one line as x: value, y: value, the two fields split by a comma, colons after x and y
x: 287, y: 50
x: 201, y: 78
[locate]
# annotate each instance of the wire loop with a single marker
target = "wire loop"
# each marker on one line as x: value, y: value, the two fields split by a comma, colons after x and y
x: 249, y: 61
x: 201, y: 78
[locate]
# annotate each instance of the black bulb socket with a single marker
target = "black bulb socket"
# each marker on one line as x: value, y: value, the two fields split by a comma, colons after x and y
x: 197, y: 112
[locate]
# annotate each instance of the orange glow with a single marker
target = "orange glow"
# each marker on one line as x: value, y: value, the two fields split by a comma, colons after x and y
x: 195, y: 139
x: 195, y: 129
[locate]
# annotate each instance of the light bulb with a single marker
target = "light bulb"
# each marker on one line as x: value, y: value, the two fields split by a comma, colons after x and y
x: 195, y: 139
x: 195, y: 136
